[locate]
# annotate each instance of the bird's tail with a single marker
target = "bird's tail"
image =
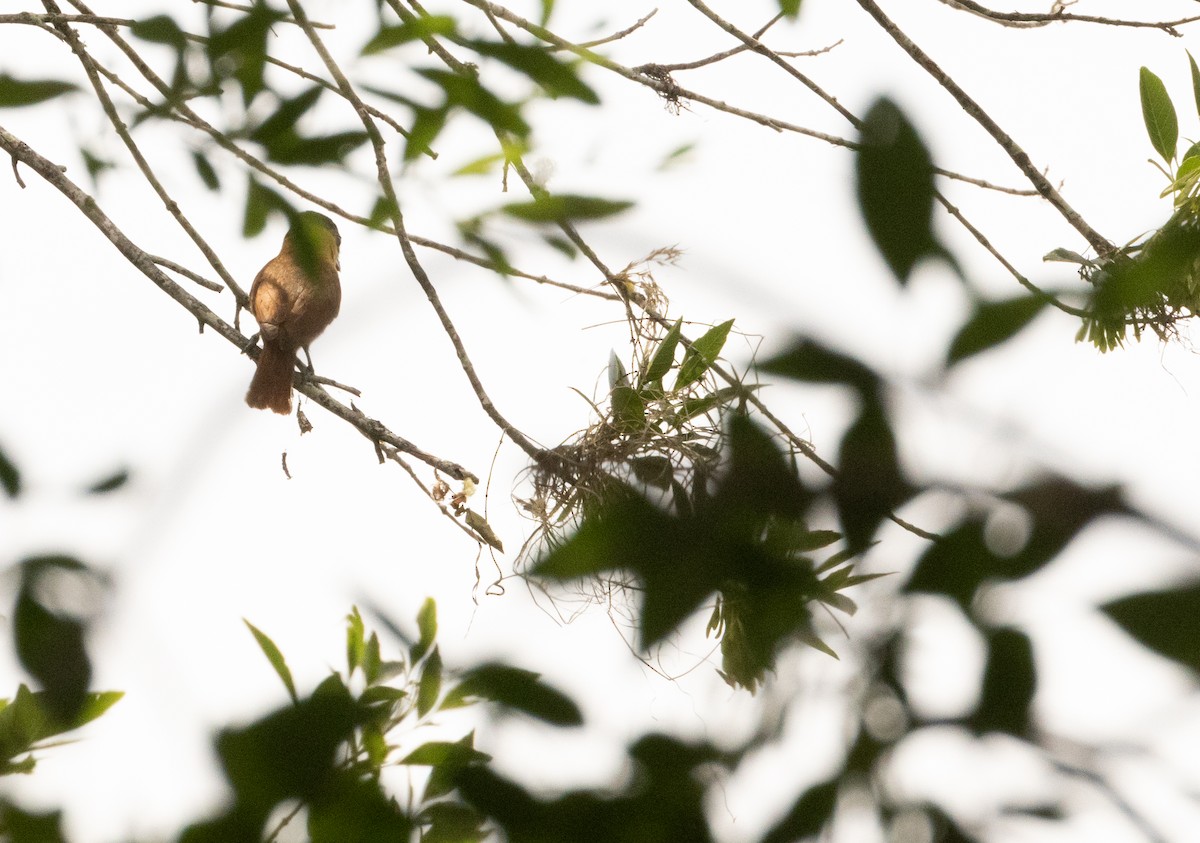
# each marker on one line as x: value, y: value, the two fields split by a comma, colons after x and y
x: 271, y: 388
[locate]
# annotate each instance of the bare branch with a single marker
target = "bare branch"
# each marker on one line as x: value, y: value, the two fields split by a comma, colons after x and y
x: 1030, y: 19
x: 242, y: 8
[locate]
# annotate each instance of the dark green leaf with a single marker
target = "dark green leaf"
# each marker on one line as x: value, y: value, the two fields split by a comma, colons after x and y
x: 790, y: 8
x: 160, y: 29
x: 315, y: 151
x: 702, y: 354
x: 109, y: 484
x: 284, y: 119
x: 557, y: 78
x: 427, y: 125
x: 451, y: 822
x: 1168, y: 622
x: 517, y: 689
x: 808, y: 816
x: 467, y: 93
x: 1009, y: 683
x: 991, y: 324
x: 664, y: 355
x: 547, y: 208
x: 352, y: 809
x: 1158, y: 112
x: 629, y: 409
x: 446, y: 760
x: 10, y: 476
x: 561, y: 244
x: 956, y: 564
x: 895, y: 189
x: 240, y: 50
x: 19, y: 92
x: 1060, y: 508
x: 417, y: 29
x: 427, y: 629
x: 653, y: 470
x: 95, y: 165
x: 275, y: 657
x: 1195, y: 80
x: 869, y: 484
x: 207, y: 174
x: 260, y: 201
x: 812, y: 362
x: 430, y: 686
x: 19, y: 826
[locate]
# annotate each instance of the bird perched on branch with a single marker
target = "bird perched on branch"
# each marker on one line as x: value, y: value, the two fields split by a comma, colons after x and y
x: 294, y: 298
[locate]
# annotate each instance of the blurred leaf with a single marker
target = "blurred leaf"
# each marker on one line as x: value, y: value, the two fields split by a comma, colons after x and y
x: 284, y: 118
x: 1167, y: 622
x: 19, y: 826
x: 451, y: 822
x: 616, y: 371
x: 1158, y: 112
x: 546, y: 208
x: 557, y: 78
x: 10, y: 476
x: 629, y: 409
x: 467, y: 93
x: 895, y: 189
x: 426, y: 126
x: 446, y: 760
x: 480, y: 166
x: 205, y: 169
x: 275, y: 657
x: 869, y: 484
x: 653, y: 470
x: 352, y: 809
x: 260, y: 202
x: 517, y: 689
x: 417, y: 29
x: 561, y: 244
x: 24, y: 723
x: 356, y: 641
x: 991, y: 324
x: 315, y: 151
x: 109, y: 484
x: 160, y: 29
x: 18, y: 92
x: 956, y: 564
x: 94, y: 165
x: 790, y: 8
x: 812, y: 362
x: 808, y: 816
x: 702, y: 354
x: 427, y: 629
x: 240, y: 50
x: 1060, y: 508
x: 1195, y: 80
x: 1009, y: 683
x: 547, y: 9
x: 430, y: 686
x: 1067, y: 256
x: 676, y: 156
x: 50, y: 645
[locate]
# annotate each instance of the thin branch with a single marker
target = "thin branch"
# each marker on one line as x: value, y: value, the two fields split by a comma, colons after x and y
x: 241, y: 8
x: 617, y: 36
x: 187, y: 273
x: 724, y: 54
x: 142, y: 261
x: 33, y: 19
x: 387, y: 184
x: 1028, y: 19
x: 757, y: 46
x: 1015, y: 152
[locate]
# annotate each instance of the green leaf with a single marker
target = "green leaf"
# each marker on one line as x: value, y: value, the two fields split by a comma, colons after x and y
x: 790, y: 8
x: 664, y: 355
x: 207, y: 174
x: 275, y: 657
x: 628, y: 408
x: 991, y: 324
x: 240, y: 50
x: 430, y: 685
x: 51, y: 645
x: 417, y: 29
x: 1009, y: 683
x: 94, y: 164
x: 467, y: 93
x: 1195, y: 80
x: 109, y: 484
x: 20, y: 826
x: 869, y: 483
x: 160, y: 29
x: 480, y: 166
x: 427, y: 629
x: 483, y: 529
x: 1167, y: 622
x: 516, y: 689
x: 895, y: 189
x: 451, y: 822
x: 19, y: 92
x: 653, y: 470
x: 812, y: 362
x: 557, y: 78
x: 426, y: 126
x: 10, y: 476
x: 547, y: 9
x: 808, y: 816
x: 1159, y: 114
x: 284, y: 118
x: 702, y: 354
x: 547, y: 208
x: 356, y: 641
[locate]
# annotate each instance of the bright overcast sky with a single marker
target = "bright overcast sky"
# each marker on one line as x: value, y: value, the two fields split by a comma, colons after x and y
x: 102, y: 371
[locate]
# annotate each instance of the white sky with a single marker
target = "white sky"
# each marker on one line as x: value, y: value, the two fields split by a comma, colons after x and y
x: 100, y: 370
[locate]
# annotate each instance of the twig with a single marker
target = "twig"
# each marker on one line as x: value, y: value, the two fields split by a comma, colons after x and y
x: 187, y: 273
x: 617, y: 36
x: 144, y: 263
x: 1015, y: 152
x: 239, y: 7
x: 1027, y: 19
x: 33, y: 19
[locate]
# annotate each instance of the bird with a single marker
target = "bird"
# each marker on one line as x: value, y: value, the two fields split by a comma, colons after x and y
x: 293, y: 298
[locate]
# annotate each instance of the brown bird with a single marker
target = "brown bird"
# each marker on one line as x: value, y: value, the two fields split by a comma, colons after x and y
x: 294, y: 298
